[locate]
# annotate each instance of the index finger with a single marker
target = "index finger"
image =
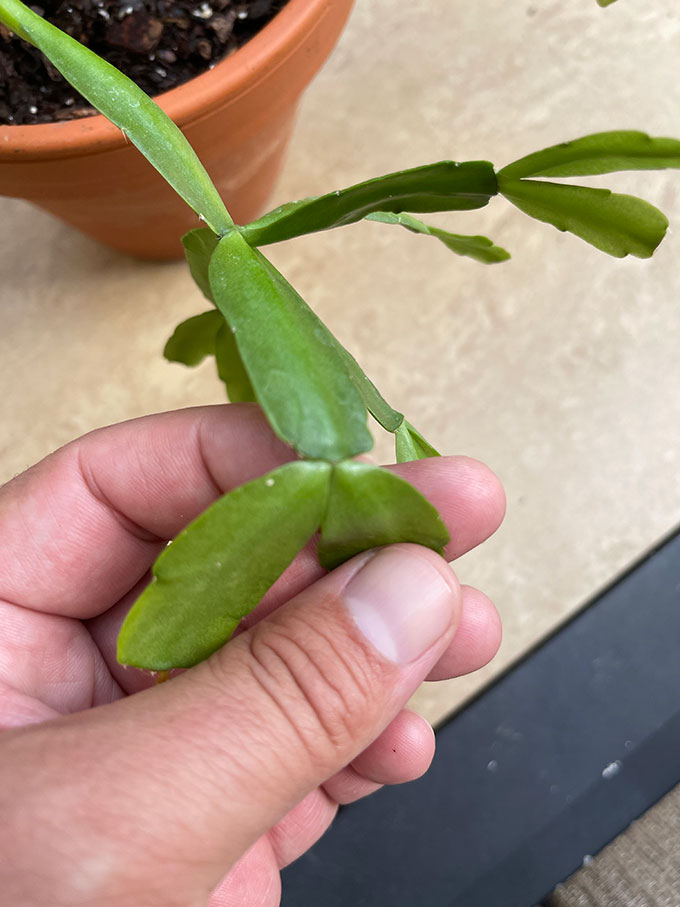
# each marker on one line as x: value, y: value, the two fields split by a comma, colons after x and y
x: 81, y: 528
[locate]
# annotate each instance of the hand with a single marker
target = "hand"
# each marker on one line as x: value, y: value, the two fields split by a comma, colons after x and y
x: 235, y: 767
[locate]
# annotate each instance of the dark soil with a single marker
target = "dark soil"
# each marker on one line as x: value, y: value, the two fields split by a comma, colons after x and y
x: 159, y: 44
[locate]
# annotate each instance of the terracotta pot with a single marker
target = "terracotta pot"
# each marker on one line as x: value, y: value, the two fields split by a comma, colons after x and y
x: 238, y: 117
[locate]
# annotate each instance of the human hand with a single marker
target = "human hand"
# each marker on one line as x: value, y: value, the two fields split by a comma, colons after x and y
x: 235, y: 767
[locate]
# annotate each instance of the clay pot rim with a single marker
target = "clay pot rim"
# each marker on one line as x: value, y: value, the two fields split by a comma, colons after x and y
x: 230, y: 78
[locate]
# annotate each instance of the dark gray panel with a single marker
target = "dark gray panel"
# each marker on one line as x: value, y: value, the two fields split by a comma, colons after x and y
x: 547, y: 765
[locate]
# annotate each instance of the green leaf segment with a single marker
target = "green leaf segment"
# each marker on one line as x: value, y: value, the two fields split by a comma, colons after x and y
x: 271, y: 348
x: 602, y: 152
x: 298, y: 377
x: 194, y: 339
x: 361, y: 514
x: 444, y: 186
x: 617, y: 224
x: 220, y: 566
x: 477, y: 247
x: 202, y: 587
x: 411, y: 445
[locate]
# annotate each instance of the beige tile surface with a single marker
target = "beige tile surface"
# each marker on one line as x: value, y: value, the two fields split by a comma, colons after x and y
x: 560, y: 368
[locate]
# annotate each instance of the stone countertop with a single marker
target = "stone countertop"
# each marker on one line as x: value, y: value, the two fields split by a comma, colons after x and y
x: 559, y: 368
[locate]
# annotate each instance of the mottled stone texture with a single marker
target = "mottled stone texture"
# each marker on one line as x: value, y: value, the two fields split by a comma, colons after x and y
x: 559, y: 368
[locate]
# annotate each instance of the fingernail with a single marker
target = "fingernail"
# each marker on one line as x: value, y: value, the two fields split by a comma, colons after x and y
x: 401, y: 603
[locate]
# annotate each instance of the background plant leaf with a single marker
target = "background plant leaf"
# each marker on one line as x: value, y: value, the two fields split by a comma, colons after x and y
x: 194, y: 339
x: 299, y: 377
x: 617, y: 224
x: 601, y: 152
x: 230, y: 367
x: 411, y: 445
x: 444, y: 186
x: 477, y: 247
x: 369, y: 507
x: 199, y: 245
x: 605, y: 2
x: 220, y: 566
x: 121, y: 101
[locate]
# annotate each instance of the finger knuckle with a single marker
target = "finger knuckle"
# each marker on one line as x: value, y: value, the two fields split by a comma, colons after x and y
x: 320, y: 689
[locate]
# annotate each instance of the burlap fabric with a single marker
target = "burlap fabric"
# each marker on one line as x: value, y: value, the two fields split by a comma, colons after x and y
x: 640, y: 868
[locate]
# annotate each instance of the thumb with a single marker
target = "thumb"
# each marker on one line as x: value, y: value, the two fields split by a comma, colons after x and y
x: 190, y: 774
x: 323, y: 676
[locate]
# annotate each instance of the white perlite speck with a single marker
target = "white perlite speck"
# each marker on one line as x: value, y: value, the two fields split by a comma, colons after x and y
x: 611, y: 770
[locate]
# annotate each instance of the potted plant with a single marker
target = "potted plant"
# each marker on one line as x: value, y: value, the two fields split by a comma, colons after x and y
x: 271, y: 348
x: 238, y: 116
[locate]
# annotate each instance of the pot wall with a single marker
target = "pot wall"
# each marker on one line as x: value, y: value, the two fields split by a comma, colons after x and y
x: 238, y: 117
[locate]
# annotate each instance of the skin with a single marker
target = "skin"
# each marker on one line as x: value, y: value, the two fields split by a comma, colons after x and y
x: 199, y: 790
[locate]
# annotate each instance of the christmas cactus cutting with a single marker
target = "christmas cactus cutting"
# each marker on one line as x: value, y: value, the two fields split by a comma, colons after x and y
x: 271, y: 348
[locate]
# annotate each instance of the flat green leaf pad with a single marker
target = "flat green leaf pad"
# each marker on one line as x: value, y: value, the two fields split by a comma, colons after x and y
x: 230, y: 368
x: 601, y: 152
x: 375, y: 403
x: 411, y: 445
x: 444, y: 186
x: 369, y: 507
x: 219, y: 567
x: 617, y: 224
x: 298, y: 375
x: 194, y: 339
x: 199, y: 245
x: 478, y: 247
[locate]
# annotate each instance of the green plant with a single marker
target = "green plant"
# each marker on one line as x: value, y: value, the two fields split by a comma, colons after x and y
x: 271, y: 348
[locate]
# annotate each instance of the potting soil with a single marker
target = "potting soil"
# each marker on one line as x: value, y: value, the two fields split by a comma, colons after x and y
x: 159, y: 44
